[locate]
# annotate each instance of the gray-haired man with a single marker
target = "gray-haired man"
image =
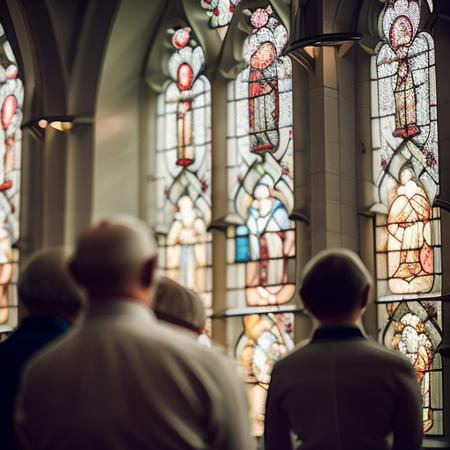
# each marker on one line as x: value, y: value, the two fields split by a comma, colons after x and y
x: 340, y: 390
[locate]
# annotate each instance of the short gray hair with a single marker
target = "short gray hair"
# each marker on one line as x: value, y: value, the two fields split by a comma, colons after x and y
x: 178, y: 305
x: 333, y: 282
x: 45, y: 286
x: 111, y: 248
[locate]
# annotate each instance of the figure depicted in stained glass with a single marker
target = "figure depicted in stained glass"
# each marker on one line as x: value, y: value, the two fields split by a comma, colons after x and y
x: 266, y: 338
x: 186, y: 254
x: 401, y: 19
x: 271, y: 241
x: 264, y: 50
x: 263, y: 194
x: 185, y: 66
x: 410, y: 238
x: 412, y: 337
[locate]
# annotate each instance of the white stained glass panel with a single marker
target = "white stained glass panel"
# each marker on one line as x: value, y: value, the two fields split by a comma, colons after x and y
x: 220, y: 13
x: 11, y: 101
x: 183, y: 168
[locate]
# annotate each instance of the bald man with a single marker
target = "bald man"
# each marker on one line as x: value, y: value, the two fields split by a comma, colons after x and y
x: 121, y: 380
x: 340, y: 390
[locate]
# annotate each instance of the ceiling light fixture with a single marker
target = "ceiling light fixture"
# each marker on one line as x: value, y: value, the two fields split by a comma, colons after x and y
x: 303, y: 50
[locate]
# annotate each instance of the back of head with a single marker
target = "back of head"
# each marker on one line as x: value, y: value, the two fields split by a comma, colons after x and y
x: 333, y: 284
x: 178, y: 305
x: 45, y: 286
x: 108, y: 254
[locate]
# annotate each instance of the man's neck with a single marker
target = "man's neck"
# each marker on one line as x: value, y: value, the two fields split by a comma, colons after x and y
x: 351, y: 320
x: 341, y: 323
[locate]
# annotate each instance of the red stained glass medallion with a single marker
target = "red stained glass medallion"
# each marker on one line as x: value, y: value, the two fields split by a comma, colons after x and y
x: 401, y: 32
x: 181, y: 38
x: 185, y: 76
x: 8, y: 110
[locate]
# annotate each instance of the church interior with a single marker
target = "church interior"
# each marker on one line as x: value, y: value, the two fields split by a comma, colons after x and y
x: 249, y: 135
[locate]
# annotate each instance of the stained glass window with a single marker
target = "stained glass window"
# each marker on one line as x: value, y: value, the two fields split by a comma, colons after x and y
x: 183, y: 168
x: 220, y: 13
x: 261, y: 243
x: 11, y: 101
x: 406, y: 177
x: 265, y: 339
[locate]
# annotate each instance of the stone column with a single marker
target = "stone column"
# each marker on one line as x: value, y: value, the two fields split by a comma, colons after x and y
x: 333, y: 185
x: 219, y: 203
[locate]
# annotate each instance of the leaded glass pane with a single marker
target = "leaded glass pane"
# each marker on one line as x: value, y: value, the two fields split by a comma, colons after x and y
x: 183, y: 169
x: 261, y: 244
x: 414, y: 329
x: 265, y: 339
x: 11, y: 101
x: 406, y: 175
x: 220, y: 13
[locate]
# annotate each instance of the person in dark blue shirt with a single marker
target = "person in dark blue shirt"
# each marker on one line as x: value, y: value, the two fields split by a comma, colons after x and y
x: 53, y: 302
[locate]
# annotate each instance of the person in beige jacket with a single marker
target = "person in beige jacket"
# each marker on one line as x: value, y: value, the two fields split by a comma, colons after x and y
x: 341, y: 390
x: 121, y: 380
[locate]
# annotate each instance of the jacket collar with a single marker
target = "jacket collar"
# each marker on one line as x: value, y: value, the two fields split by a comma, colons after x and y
x: 37, y: 323
x: 338, y: 333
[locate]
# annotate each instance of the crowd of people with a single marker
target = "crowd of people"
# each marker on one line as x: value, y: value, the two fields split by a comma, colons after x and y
x: 110, y: 357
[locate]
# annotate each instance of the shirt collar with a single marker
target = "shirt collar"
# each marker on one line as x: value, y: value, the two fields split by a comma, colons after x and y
x: 119, y: 307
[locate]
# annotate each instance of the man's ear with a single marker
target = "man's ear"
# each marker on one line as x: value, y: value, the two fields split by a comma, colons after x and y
x: 148, y: 271
x: 365, y: 297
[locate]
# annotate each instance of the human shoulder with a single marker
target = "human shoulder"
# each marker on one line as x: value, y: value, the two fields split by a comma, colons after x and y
x: 365, y: 349
x: 49, y: 355
x: 296, y: 355
x: 6, y: 345
x: 387, y: 356
x: 188, y: 348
